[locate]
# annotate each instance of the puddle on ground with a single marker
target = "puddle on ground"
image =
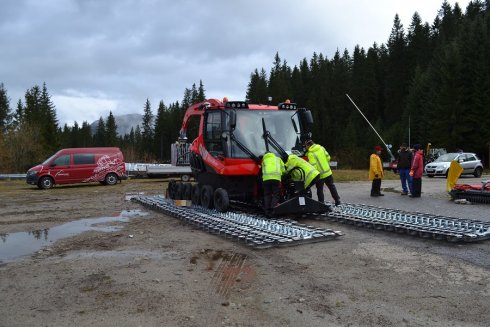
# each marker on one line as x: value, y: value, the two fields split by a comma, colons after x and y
x: 129, y: 196
x: 17, y: 245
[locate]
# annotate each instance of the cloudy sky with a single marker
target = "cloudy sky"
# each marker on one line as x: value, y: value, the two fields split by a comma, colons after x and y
x: 98, y: 56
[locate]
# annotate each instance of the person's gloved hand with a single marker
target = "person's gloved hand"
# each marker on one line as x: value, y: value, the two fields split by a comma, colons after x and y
x: 376, y: 176
x: 411, y: 173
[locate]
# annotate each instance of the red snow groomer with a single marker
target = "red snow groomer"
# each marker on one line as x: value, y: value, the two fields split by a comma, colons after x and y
x: 225, y: 157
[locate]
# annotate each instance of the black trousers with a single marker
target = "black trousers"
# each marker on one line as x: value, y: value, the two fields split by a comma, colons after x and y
x: 271, y: 193
x: 416, y: 187
x: 331, y: 186
x: 376, y: 186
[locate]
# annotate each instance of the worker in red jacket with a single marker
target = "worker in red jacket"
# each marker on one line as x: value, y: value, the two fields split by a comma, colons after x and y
x: 416, y: 171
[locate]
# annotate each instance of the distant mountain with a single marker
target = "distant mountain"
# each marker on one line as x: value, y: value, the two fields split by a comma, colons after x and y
x: 124, y: 123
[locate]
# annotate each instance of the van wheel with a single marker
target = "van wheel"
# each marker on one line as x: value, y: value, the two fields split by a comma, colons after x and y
x: 185, y: 178
x: 45, y: 183
x: 111, y: 179
x: 478, y: 172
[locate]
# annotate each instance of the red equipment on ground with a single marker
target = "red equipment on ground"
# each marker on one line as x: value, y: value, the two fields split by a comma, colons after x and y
x: 225, y: 157
x: 472, y: 193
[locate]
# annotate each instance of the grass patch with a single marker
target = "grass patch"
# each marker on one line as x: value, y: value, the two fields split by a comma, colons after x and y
x: 355, y: 175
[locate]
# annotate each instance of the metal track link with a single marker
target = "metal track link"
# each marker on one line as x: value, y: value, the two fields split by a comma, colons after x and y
x: 412, y: 223
x: 252, y: 230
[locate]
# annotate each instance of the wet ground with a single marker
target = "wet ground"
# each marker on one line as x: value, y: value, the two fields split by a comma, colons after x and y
x: 20, y: 244
x: 155, y: 271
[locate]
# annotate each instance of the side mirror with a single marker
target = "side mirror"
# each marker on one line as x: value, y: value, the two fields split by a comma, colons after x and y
x: 306, y: 117
x: 232, y: 119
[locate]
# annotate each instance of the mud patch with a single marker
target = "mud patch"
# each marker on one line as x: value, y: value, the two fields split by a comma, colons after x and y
x: 21, y: 244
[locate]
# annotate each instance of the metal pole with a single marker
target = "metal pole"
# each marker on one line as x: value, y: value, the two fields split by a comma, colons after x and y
x: 409, y: 131
x: 387, y: 148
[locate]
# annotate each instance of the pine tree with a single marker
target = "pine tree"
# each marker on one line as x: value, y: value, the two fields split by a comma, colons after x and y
x: 187, y: 100
x: 4, y: 109
x: 18, y: 117
x: 147, y: 132
x: 397, y: 75
x: 111, y: 130
x: 99, y: 136
x: 201, y: 93
x: 194, y: 94
x: 85, y: 135
x: 49, y: 122
x: 161, y: 146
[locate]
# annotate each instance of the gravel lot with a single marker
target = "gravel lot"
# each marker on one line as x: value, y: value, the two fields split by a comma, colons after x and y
x: 156, y: 271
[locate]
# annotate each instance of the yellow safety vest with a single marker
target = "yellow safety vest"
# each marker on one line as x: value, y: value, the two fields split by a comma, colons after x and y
x: 272, y: 167
x: 319, y: 158
x: 309, y: 170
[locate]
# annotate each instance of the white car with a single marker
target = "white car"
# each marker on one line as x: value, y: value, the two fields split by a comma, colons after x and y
x: 469, y: 161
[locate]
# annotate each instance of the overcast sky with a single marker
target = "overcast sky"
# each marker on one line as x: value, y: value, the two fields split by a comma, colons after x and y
x: 98, y: 56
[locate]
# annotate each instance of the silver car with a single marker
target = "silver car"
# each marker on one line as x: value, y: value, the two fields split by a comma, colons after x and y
x: 469, y: 161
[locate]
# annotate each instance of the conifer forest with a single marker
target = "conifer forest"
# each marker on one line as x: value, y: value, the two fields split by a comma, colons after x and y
x: 428, y: 83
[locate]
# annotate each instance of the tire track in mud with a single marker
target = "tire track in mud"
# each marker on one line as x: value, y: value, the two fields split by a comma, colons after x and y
x: 227, y: 274
x: 231, y: 269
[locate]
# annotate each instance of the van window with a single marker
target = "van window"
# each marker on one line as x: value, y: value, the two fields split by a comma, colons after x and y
x: 63, y: 160
x: 83, y: 159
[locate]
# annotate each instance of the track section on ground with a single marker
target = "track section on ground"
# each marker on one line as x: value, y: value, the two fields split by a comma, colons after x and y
x: 413, y: 223
x: 250, y: 229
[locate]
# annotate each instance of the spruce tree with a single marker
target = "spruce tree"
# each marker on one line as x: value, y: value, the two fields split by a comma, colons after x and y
x: 4, y: 109
x: 161, y: 140
x: 100, y: 131
x: 201, y: 93
x: 147, y: 132
x: 111, y: 131
x: 49, y: 122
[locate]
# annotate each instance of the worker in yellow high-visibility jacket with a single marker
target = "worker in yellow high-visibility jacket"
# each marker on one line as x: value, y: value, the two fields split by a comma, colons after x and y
x: 320, y: 159
x: 311, y: 175
x: 272, y: 171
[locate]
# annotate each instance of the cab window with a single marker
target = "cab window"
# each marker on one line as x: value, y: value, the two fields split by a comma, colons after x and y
x: 213, y: 133
x: 63, y: 160
x: 84, y: 159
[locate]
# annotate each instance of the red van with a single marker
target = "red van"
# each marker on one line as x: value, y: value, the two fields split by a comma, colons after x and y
x: 79, y: 165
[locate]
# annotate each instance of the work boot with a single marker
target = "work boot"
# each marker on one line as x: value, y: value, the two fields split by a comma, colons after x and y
x: 404, y: 193
x: 337, y: 202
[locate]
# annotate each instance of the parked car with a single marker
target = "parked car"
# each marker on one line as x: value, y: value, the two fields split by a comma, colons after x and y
x: 79, y: 165
x: 469, y: 161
